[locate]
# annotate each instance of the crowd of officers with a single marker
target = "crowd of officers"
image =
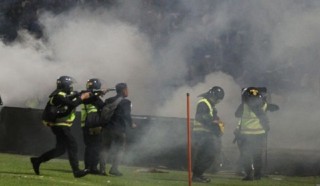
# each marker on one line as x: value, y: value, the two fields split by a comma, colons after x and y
x: 98, y: 136
x: 250, y: 135
x: 207, y: 129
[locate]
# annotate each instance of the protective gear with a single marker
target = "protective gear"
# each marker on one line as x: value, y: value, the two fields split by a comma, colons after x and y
x: 93, y: 84
x: 51, y: 113
x: 250, y: 122
x: 253, y: 97
x: 215, y: 94
x: 198, y: 126
x: 65, y: 83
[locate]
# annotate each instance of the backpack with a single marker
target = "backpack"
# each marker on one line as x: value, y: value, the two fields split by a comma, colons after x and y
x: 51, y: 112
x: 108, y: 111
x: 92, y: 119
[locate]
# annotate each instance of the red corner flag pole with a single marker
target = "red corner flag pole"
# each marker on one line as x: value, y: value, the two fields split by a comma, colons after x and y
x: 189, y: 138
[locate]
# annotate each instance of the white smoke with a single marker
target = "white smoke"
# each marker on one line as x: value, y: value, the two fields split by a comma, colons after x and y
x: 110, y: 44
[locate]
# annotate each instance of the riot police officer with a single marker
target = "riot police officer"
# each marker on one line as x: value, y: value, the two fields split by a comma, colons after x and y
x: 91, y: 126
x: 207, y: 131
x: 61, y: 107
x: 253, y: 127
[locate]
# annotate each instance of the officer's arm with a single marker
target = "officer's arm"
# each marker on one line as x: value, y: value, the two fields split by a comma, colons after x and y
x: 67, y: 101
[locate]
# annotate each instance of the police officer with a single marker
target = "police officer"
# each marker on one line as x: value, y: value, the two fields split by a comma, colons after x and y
x: 253, y: 127
x: 115, y: 130
x: 91, y: 126
x: 207, y: 132
x: 63, y: 98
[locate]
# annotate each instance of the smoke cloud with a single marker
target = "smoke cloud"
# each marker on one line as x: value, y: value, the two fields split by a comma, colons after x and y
x: 267, y: 43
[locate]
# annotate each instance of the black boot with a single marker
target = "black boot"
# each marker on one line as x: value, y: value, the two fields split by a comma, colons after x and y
x: 94, y: 170
x: 35, y: 165
x: 80, y: 173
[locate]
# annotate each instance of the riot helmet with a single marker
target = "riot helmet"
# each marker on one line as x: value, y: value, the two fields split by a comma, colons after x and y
x: 65, y: 83
x: 93, y: 84
x: 252, y: 94
x: 215, y: 94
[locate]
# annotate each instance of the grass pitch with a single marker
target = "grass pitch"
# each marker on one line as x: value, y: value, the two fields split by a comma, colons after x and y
x: 17, y: 170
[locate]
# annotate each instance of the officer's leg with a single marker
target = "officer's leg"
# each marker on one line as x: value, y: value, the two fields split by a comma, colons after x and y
x: 107, y: 138
x: 257, y: 156
x: 59, y: 149
x: 205, y: 156
x: 86, y: 150
x: 119, y: 145
x: 96, y: 149
x: 72, y: 149
x: 247, y: 157
x: 197, y: 148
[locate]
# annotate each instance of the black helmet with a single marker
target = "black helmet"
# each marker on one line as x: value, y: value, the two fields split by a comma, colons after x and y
x: 93, y: 84
x: 251, y: 93
x: 216, y: 92
x: 65, y: 83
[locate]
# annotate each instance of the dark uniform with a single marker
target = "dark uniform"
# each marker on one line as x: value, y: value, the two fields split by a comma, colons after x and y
x: 91, y: 127
x: 253, y: 128
x: 61, y: 128
x: 115, y: 130
x: 207, y: 132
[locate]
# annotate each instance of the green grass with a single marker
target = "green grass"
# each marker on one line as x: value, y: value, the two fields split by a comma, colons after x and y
x: 17, y: 170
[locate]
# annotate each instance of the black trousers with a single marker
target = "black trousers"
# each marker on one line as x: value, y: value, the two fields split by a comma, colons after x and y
x: 206, y: 147
x: 64, y: 142
x: 252, y: 151
x: 116, y: 140
x: 93, y: 144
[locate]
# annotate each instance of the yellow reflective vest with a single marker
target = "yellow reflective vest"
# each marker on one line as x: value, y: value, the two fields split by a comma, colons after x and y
x: 66, y: 121
x: 197, y: 126
x: 250, y: 123
x: 85, y: 110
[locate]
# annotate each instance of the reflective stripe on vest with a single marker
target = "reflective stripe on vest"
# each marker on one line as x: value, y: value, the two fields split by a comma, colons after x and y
x: 250, y: 123
x: 66, y: 121
x: 85, y: 110
x: 197, y: 126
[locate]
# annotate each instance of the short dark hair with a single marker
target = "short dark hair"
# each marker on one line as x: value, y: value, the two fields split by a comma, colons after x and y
x: 120, y: 87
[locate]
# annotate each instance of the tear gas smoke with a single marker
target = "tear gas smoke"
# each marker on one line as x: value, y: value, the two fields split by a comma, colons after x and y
x: 269, y: 43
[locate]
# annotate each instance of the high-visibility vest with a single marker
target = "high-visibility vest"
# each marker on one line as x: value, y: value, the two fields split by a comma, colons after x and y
x: 250, y: 123
x: 197, y: 126
x: 66, y: 121
x: 85, y: 110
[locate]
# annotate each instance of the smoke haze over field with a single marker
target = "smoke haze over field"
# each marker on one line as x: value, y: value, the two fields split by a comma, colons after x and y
x: 269, y: 43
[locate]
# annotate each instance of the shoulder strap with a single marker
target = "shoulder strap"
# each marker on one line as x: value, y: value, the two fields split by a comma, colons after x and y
x: 117, y: 101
